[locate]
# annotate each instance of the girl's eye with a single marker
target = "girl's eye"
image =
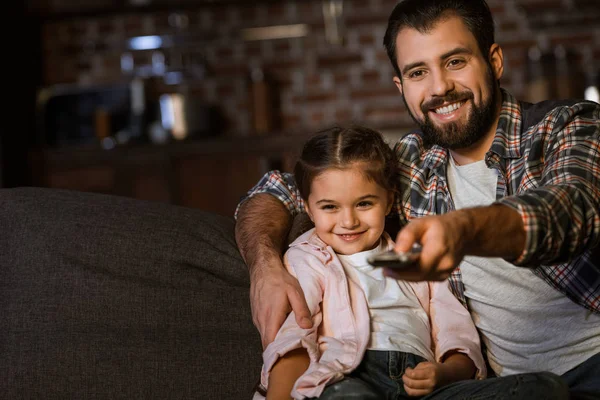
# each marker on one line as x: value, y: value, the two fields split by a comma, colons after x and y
x: 365, y: 204
x: 328, y: 207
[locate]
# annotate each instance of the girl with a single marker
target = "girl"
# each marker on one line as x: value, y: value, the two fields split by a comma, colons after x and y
x: 372, y: 336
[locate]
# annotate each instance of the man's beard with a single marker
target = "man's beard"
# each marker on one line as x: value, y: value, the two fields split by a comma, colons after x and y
x: 457, y: 135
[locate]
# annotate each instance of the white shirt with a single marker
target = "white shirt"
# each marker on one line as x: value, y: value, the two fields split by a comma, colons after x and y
x: 526, y: 324
x: 398, y: 322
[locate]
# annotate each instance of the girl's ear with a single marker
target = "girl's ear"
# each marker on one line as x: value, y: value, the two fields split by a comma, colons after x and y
x: 391, y: 197
x: 307, y: 208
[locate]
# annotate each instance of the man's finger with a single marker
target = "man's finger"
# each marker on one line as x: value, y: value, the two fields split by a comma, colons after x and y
x: 300, y: 307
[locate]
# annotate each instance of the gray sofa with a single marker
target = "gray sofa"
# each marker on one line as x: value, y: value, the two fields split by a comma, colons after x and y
x: 109, y: 297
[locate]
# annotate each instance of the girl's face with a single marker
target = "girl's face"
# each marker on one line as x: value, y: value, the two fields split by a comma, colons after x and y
x: 348, y: 209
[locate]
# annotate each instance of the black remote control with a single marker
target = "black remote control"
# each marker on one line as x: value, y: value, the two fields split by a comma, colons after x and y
x: 391, y: 259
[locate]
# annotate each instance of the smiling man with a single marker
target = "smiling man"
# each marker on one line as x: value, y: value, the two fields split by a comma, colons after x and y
x: 450, y: 90
x: 502, y: 195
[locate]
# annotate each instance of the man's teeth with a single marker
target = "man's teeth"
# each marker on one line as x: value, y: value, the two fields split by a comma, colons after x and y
x: 448, y: 109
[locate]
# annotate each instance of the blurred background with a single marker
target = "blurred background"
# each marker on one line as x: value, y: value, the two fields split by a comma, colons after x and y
x: 190, y: 101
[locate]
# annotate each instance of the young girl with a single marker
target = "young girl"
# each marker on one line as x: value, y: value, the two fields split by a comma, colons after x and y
x: 372, y: 336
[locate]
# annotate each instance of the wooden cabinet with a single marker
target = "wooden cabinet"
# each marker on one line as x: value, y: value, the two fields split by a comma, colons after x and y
x: 211, y: 175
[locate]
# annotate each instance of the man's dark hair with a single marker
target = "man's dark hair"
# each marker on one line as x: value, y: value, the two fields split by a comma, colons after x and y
x: 422, y: 15
x: 342, y: 147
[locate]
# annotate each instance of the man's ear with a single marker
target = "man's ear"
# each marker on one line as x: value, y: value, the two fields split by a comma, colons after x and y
x: 496, y: 58
x: 398, y: 83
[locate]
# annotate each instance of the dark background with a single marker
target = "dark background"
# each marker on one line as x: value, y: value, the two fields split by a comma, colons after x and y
x: 335, y: 71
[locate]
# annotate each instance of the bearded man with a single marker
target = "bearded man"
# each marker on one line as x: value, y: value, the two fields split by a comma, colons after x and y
x: 503, y: 196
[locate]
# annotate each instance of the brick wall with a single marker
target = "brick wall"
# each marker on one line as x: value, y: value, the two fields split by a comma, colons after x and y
x: 318, y: 82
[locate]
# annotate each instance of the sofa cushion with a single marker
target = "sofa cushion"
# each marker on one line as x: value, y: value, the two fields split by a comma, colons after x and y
x: 104, y: 296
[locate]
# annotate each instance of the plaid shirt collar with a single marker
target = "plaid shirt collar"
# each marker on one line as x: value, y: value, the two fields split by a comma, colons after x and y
x: 506, y: 144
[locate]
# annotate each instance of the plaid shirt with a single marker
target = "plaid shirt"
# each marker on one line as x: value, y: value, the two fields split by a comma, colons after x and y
x: 548, y: 172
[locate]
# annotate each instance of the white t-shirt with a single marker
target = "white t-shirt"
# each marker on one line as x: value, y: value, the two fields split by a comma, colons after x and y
x: 526, y: 324
x: 398, y: 322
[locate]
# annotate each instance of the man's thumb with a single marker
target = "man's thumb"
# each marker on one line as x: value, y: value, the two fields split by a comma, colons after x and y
x: 406, y: 238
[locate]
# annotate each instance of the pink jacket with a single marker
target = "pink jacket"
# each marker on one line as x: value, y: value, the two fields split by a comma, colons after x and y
x: 341, y: 326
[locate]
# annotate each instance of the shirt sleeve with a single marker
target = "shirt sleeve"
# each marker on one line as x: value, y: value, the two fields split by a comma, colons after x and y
x: 560, y: 202
x: 281, y: 185
x: 290, y: 335
x: 452, y: 328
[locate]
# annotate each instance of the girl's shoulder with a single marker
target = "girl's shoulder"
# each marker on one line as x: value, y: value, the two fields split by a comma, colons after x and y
x: 309, y: 248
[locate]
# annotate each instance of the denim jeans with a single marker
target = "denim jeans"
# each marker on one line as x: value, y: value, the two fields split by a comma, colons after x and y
x: 584, y: 380
x: 379, y: 376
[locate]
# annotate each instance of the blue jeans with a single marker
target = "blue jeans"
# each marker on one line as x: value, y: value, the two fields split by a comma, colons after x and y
x: 584, y: 380
x: 379, y: 376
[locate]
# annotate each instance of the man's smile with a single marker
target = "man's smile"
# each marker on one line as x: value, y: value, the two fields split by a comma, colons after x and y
x: 448, y: 112
x: 448, y: 108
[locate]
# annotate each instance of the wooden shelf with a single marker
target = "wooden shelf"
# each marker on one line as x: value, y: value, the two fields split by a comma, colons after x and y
x: 211, y: 174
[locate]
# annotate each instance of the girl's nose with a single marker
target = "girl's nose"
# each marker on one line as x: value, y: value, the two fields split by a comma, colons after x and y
x: 349, y: 219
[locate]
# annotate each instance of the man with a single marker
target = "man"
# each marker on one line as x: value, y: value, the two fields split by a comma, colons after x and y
x: 507, y: 190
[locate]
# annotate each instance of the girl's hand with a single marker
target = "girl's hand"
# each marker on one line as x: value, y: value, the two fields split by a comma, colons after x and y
x: 424, y: 378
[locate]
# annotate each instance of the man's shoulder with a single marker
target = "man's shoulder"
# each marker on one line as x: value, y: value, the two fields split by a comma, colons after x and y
x: 410, y: 144
x: 412, y: 150
x: 535, y: 113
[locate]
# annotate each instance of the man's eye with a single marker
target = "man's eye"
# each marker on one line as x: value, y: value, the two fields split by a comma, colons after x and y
x: 416, y: 74
x: 456, y: 63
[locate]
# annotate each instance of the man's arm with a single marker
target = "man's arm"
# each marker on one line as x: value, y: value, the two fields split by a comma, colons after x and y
x: 553, y: 216
x: 261, y: 231
x: 261, y: 228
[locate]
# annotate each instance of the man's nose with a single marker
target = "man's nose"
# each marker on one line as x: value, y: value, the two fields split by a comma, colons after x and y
x: 349, y: 219
x: 441, y: 83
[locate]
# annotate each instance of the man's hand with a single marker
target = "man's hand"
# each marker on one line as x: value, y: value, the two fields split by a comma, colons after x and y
x: 272, y: 291
x: 443, y: 247
x: 424, y: 378
x: 490, y: 231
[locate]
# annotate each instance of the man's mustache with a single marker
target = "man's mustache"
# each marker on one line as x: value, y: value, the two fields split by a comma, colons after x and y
x: 451, y: 97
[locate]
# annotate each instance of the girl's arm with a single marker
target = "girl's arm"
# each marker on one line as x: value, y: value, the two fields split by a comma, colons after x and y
x: 457, y: 367
x: 452, y: 329
x: 288, y: 357
x: 285, y: 372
